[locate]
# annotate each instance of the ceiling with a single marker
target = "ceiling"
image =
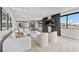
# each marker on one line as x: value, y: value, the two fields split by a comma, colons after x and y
x: 35, y: 13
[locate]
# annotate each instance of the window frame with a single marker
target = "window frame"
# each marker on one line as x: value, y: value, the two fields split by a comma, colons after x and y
x: 67, y: 15
x: 7, y: 21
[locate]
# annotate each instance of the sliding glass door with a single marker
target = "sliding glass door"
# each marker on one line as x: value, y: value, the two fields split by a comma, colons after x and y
x: 63, y: 22
x: 70, y: 26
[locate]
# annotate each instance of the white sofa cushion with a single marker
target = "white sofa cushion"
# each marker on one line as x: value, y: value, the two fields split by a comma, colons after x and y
x: 3, y: 35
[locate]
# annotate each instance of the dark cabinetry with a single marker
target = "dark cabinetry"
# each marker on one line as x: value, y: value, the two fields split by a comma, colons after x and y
x: 54, y: 23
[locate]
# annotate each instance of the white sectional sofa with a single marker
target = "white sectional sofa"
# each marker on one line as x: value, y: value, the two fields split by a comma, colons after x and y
x: 3, y: 35
x: 13, y: 44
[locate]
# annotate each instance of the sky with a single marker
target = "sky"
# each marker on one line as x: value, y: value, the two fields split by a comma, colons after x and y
x: 71, y: 18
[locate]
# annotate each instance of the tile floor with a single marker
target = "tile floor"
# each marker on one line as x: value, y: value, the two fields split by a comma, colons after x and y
x: 64, y: 44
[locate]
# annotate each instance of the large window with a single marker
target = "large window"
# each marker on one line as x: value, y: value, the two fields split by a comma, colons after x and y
x: 74, y: 18
x: 70, y: 28
x: 5, y: 20
x: 63, y: 21
x: 71, y: 21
